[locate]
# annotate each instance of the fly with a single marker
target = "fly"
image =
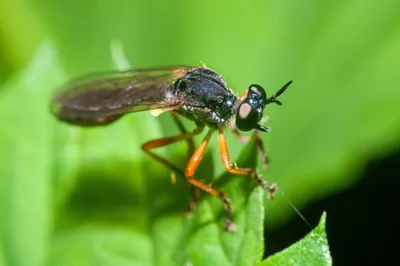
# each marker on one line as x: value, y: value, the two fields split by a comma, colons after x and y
x: 197, y: 93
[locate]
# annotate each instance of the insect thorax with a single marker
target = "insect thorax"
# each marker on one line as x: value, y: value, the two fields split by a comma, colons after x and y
x: 204, y: 97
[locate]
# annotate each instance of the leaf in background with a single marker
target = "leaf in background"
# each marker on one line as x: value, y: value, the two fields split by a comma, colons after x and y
x: 312, y: 250
x: 26, y: 157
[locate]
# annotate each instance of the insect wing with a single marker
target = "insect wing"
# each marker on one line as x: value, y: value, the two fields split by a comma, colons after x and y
x: 102, y: 98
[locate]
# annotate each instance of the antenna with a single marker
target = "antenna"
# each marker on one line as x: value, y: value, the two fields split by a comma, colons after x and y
x: 273, y: 99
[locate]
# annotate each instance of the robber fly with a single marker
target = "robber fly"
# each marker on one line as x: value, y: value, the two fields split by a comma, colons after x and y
x: 197, y: 93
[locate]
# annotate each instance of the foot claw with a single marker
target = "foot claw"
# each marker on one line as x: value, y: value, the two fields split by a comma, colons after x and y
x: 272, y: 189
x: 230, y: 227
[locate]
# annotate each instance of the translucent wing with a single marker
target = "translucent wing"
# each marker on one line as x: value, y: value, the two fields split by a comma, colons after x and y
x: 102, y: 98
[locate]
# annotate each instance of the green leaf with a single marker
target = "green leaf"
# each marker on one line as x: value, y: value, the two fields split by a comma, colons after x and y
x: 312, y: 250
x: 26, y: 156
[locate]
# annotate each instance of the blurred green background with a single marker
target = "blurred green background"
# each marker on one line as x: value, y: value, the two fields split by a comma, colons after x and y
x: 341, y: 111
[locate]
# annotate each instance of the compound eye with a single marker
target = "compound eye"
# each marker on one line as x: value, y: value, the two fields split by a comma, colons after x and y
x: 247, y: 117
x: 257, y: 90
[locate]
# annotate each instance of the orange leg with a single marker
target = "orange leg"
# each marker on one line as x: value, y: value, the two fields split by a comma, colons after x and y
x: 190, y: 170
x: 195, y: 192
x: 148, y: 146
x: 224, y: 154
